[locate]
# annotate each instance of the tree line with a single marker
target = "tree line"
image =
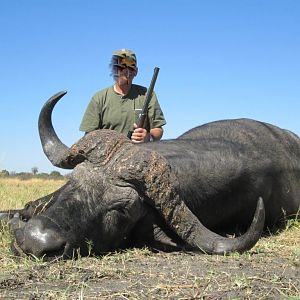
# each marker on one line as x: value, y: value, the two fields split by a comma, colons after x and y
x: 33, y: 174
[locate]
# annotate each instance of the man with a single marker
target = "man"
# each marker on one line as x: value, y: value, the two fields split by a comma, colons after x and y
x: 118, y: 107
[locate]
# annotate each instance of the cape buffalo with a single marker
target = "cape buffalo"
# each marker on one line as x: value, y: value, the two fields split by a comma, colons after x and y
x: 173, y: 194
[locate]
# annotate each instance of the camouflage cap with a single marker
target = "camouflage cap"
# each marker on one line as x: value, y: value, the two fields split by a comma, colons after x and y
x: 126, y: 58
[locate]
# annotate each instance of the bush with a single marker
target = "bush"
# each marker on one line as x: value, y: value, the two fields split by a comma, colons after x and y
x: 42, y: 176
x: 4, y: 173
x: 55, y: 174
x: 24, y: 176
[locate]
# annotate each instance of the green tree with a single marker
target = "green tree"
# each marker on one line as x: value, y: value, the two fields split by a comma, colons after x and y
x: 34, y: 170
x: 4, y: 173
x: 55, y: 174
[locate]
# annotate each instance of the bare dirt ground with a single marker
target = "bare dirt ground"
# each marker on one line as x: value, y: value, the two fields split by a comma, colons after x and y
x: 271, y: 270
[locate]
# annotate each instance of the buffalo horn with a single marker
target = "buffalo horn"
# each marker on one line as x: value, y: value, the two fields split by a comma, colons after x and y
x: 190, y: 229
x: 55, y: 150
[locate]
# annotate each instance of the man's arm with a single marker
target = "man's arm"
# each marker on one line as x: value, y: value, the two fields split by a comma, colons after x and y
x: 156, y: 119
x: 156, y: 133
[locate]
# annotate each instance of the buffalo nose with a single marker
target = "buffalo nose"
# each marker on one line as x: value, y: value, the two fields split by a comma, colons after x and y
x: 37, y: 239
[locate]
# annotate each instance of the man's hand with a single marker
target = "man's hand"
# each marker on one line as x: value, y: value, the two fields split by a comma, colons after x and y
x: 140, y: 135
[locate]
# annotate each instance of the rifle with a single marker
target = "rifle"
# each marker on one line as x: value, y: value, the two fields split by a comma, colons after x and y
x: 143, y: 115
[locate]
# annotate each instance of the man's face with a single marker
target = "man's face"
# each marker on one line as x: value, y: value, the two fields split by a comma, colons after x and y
x: 124, y: 75
x: 124, y: 69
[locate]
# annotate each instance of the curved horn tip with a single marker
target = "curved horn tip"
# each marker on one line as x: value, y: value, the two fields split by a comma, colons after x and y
x: 260, y: 208
x: 212, y: 243
x: 251, y: 236
x: 260, y: 202
x: 57, y: 96
x: 61, y: 93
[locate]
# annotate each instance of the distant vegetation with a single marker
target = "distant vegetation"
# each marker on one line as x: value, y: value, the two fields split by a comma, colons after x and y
x: 30, y: 175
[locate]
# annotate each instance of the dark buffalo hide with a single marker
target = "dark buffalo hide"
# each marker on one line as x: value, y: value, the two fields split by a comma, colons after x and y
x: 184, y: 193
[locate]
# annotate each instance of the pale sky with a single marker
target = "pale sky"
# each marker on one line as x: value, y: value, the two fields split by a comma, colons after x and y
x: 218, y: 59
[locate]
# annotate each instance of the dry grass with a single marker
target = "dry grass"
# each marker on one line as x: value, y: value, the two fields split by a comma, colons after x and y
x: 271, y: 270
x: 14, y: 193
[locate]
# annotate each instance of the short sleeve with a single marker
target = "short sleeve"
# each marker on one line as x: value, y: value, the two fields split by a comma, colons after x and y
x: 91, y: 118
x: 155, y: 114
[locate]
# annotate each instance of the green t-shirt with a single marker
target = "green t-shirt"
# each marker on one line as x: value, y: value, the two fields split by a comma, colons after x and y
x: 110, y: 110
